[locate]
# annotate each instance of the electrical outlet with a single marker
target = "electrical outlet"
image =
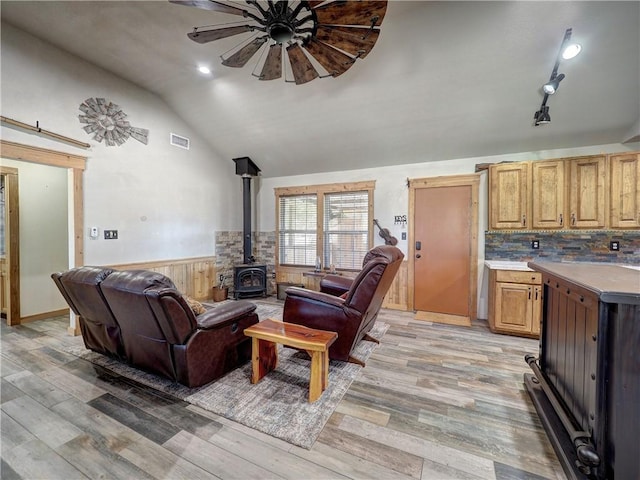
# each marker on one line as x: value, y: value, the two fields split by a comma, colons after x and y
x: 404, y: 235
x: 614, y: 246
x: 535, y: 244
x: 94, y: 232
x: 111, y: 234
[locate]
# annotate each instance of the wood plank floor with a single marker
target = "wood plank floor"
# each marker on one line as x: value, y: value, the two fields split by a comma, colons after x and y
x: 434, y: 402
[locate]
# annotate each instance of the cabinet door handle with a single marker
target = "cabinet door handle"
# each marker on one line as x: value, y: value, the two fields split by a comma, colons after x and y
x: 529, y: 293
x: 536, y: 294
x: 573, y: 219
x: 524, y: 220
x: 561, y: 219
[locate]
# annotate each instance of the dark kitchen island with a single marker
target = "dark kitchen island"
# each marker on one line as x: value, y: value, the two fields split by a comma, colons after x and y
x: 586, y: 381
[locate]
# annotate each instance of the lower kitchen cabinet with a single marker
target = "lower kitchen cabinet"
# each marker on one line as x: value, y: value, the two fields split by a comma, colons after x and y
x: 515, y: 302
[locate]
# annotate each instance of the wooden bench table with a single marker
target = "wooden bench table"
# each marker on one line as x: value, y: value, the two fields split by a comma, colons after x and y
x: 264, y: 350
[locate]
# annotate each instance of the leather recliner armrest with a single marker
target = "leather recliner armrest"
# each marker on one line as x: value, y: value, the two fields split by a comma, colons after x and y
x: 224, y: 314
x: 302, y: 294
x: 335, y: 285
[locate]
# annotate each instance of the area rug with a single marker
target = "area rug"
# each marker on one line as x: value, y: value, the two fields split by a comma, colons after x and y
x: 277, y: 405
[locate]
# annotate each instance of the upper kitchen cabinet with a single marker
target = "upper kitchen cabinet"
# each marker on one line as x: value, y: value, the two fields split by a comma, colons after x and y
x: 509, y: 196
x: 624, y: 197
x: 587, y: 181
x: 547, y: 194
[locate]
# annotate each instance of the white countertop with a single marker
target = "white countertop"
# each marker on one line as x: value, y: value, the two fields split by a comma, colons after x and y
x: 522, y: 266
x: 507, y: 265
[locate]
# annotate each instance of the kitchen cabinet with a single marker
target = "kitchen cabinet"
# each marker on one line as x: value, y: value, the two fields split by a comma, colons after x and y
x: 587, y: 180
x: 515, y: 302
x: 624, y: 191
x: 547, y: 194
x: 509, y: 196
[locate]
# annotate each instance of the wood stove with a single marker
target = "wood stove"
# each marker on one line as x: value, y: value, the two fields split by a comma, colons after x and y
x: 250, y: 281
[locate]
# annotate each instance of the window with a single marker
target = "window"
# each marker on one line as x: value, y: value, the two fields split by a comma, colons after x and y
x: 346, y: 229
x: 298, y: 221
x: 329, y: 222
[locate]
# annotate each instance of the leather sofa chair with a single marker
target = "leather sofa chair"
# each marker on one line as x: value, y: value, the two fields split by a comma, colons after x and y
x: 161, y: 334
x: 81, y: 289
x: 353, y: 316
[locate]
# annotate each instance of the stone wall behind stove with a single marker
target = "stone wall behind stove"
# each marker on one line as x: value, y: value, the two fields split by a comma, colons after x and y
x: 229, y: 244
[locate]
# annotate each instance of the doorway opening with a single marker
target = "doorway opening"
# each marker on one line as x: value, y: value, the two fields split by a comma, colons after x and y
x: 75, y: 166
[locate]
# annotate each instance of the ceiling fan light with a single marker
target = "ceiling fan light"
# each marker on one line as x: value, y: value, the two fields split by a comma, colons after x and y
x: 571, y: 51
x: 552, y: 85
x: 280, y: 32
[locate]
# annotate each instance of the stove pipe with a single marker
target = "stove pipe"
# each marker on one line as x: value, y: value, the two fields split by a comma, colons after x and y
x: 246, y: 169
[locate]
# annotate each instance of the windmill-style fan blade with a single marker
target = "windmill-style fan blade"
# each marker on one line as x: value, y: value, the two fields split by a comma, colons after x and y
x: 242, y: 56
x: 211, y: 35
x: 351, y: 13
x: 272, y: 67
x: 303, y: 70
x: 210, y: 5
x: 353, y: 40
x: 333, y: 61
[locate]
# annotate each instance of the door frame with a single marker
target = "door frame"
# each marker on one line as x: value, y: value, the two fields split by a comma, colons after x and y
x: 472, y: 181
x: 12, y: 242
x: 75, y: 165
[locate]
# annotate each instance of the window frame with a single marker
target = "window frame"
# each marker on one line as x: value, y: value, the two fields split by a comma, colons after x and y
x: 320, y: 191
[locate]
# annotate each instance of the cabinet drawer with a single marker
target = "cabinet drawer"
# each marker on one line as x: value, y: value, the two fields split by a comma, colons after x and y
x: 516, y: 276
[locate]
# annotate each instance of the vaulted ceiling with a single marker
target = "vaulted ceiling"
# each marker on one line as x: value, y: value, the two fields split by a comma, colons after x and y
x: 445, y: 80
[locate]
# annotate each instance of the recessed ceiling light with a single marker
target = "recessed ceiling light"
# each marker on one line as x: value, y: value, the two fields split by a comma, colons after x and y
x: 204, y: 70
x: 571, y: 51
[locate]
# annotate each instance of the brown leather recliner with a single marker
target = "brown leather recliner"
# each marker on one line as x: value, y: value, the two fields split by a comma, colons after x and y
x: 351, y: 317
x: 161, y: 333
x: 81, y: 289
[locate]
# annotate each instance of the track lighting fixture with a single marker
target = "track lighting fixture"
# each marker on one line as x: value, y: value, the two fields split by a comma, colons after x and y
x: 566, y: 52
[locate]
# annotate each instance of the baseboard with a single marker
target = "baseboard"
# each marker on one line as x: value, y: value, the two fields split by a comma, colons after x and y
x: 44, y: 316
x: 443, y: 318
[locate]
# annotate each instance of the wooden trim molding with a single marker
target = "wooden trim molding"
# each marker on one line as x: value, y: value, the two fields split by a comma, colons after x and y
x: 27, y: 153
x: 12, y: 238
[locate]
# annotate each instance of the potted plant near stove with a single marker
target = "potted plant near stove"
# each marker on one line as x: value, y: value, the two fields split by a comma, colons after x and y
x: 221, y: 291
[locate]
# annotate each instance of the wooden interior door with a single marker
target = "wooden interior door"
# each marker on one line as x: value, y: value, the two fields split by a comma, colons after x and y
x: 442, y: 253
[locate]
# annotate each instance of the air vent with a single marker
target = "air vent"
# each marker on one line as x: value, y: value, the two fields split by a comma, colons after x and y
x: 178, y: 141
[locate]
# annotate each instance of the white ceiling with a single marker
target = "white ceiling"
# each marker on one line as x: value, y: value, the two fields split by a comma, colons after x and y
x: 446, y: 80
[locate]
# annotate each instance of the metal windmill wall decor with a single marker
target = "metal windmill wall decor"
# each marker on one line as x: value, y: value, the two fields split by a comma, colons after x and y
x: 106, y: 121
x: 321, y: 38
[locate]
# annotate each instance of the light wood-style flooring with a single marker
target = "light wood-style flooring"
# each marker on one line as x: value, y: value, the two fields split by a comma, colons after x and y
x: 434, y: 402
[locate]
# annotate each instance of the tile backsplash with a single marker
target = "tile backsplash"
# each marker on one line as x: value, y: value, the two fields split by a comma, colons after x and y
x: 568, y: 246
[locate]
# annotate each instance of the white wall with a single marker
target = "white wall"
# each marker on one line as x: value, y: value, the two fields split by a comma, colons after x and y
x: 391, y: 195
x: 43, y: 234
x: 165, y: 202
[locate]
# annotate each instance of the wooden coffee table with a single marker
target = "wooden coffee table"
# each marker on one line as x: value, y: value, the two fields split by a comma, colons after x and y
x: 264, y: 350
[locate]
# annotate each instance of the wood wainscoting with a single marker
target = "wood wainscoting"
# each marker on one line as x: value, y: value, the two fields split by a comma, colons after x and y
x: 396, y: 298
x: 192, y: 276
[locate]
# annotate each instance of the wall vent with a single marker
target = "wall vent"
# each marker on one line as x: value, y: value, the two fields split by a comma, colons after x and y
x: 178, y: 141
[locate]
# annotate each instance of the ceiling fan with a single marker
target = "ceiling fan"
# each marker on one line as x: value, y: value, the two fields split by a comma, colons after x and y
x: 331, y: 35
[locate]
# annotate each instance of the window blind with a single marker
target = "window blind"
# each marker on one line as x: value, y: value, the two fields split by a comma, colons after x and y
x: 346, y: 229
x: 298, y: 225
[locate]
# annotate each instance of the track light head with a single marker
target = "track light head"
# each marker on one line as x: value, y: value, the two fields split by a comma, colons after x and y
x: 542, y: 117
x: 552, y: 85
x: 571, y: 51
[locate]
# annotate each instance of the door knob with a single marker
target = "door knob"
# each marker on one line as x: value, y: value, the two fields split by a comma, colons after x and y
x: 418, y: 255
